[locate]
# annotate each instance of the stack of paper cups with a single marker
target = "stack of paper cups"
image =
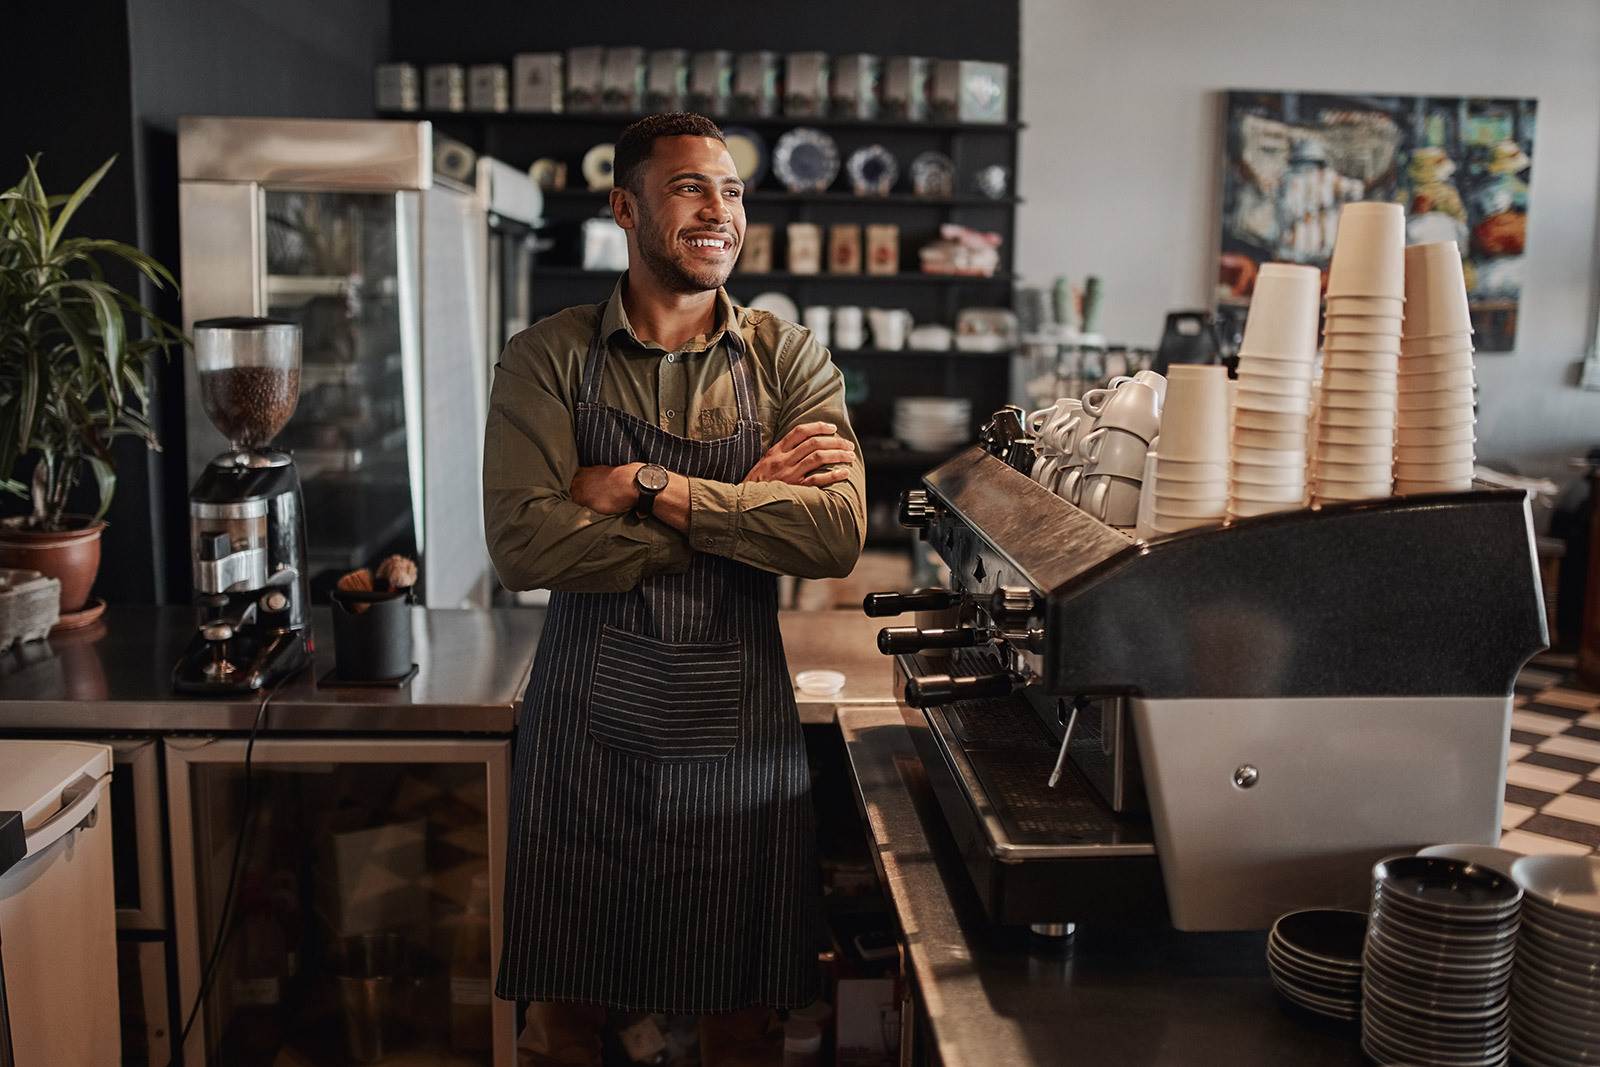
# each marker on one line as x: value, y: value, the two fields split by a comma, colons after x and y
x: 1268, y: 469
x: 1191, y: 466
x: 1434, y: 447
x: 1356, y: 414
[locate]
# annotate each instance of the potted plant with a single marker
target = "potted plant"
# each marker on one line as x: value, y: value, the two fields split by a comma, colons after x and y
x: 74, y: 354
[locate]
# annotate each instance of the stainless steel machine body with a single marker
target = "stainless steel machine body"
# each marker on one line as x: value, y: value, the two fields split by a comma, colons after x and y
x: 1289, y: 697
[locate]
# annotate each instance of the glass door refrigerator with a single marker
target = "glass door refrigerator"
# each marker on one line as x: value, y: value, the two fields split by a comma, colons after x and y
x: 338, y: 900
x: 344, y: 228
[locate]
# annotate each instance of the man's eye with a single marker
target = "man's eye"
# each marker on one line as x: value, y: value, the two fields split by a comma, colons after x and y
x: 736, y: 193
x: 688, y: 188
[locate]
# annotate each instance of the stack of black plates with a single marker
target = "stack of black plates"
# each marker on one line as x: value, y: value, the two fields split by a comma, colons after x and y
x: 1555, y: 996
x: 1314, y: 958
x: 1440, y: 945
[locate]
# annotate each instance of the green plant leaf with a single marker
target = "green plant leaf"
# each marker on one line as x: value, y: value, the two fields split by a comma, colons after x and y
x: 74, y: 202
x: 105, y: 477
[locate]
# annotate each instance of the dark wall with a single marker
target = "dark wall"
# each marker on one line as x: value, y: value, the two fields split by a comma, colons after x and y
x: 423, y: 30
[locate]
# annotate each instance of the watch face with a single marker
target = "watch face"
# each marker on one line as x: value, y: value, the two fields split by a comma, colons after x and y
x: 652, y: 477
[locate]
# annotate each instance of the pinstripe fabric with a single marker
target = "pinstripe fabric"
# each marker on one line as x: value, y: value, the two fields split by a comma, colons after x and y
x: 662, y: 848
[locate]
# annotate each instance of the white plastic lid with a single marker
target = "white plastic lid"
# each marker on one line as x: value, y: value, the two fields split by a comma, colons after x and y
x: 820, y: 683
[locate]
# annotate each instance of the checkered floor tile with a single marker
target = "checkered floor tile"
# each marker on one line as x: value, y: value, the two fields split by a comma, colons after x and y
x: 1553, y: 779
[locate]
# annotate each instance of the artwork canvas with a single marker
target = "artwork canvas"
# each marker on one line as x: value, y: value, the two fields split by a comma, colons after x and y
x: 1459, y: 165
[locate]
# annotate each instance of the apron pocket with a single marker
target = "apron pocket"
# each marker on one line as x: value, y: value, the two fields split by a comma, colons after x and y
x: 664, y: 701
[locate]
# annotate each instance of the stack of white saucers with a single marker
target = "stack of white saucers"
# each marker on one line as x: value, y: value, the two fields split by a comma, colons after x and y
x: 1190, y: 469
x: 1439, y: 952
x: 1361, y: 354
x: 1555, y: 996
x: 1273, y: 400
x: 932, y: 423
x: 1314, y: 958
x: 1433, y: 453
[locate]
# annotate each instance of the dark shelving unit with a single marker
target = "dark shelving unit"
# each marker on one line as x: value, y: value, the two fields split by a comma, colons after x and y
x: 754, y: 122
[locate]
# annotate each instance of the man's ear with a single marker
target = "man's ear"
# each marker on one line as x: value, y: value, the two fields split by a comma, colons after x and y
x: 623, y: 208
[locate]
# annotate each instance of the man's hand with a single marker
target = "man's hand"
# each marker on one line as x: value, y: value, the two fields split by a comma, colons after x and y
x: 608, y: 490
x: 799, y: 457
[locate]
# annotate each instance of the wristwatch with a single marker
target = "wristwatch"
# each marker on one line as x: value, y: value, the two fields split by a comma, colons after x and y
x: 650, y: 479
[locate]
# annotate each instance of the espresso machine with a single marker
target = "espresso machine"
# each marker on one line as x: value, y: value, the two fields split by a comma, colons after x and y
x: 1214, y: 727
x: 247, y: 537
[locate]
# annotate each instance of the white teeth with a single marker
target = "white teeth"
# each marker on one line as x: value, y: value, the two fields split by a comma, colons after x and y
x: 707, y: 242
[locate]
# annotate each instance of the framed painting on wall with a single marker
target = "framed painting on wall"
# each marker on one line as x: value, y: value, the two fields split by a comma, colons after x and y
x: 1459, y: 165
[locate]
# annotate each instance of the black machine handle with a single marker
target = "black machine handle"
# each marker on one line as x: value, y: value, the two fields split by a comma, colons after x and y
x: 883, y: 605
x: 933, y: 689
x: 904, y: 640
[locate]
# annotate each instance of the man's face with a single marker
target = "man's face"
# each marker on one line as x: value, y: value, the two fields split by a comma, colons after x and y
x: 686, y: 213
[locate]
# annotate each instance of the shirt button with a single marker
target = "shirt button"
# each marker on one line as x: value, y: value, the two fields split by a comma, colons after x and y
x: 671, y: 414
x: 671, y: 357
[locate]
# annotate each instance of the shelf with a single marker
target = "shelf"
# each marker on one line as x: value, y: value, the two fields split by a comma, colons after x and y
x: 778, y: 196
x: 618, y: 120
x: 903, y: 278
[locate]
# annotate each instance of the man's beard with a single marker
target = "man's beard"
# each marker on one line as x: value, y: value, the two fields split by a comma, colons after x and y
x: 655, y: 249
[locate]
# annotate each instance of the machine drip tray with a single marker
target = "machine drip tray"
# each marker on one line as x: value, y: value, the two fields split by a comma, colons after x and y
x: 1035, y: 854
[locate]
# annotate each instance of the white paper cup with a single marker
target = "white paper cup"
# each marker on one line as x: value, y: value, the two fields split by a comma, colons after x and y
x: 1171, y: 469
x: 1191, y: 509
x: 1447, y: 453
x: 1364, y: 455
x: 1378, y: 361
x: 1436, y: 293
x: 1178, y: 523
x: 1272, y: 457
x: 1454, y: 485
x: 1343, y: 380
x: 1293, y: 441
x: 1288, y: 493
x: 1290, y: 369
x: 1283, y: 311
x: 1341, y: 493
x: 1435, y: 417
x: 1266, y: 474
x: 1388, y: 307
x: 1420, y: 399
x: 1369, y: 251
x: 1437, y: 363
x: 1368, y: 416
x: 1215, y: 489
x: 1456, y: 378
x: 1250, y: 509
x: 1368, y: 436
x: 1433, y: 472
x: 1144, y: 519
x: 1436, y: 345
x: 1194, y: 422
x: 1249, y: 381
x: 1108, y: 450
x: 1252, y: 400
x: 1329, y: 471
x: 1360, y: 342
x: 1289, y: 365
x: 1382, y: 325
x: 1271, y: 421
x: 1435, y: 436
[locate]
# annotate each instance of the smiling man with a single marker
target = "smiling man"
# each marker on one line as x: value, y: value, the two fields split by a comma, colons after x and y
x: 657, y: 461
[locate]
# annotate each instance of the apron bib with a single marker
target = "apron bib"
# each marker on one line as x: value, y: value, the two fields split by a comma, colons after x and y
x: 662, y: 853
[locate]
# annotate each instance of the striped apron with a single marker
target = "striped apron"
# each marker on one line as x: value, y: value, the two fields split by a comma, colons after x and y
x: 662, y: 849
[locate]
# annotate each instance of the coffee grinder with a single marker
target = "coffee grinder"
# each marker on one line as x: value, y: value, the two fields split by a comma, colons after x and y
x: 247, y: 534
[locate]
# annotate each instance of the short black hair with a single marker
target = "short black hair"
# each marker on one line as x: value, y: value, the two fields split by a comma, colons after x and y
x: 634, y: 146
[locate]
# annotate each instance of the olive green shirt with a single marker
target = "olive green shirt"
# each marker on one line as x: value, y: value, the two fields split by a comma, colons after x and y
x: 539, y: 539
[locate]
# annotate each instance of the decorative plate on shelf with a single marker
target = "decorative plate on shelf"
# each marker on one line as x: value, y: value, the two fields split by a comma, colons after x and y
x: 597, y: 164
x: 749, y: 152
x: 873, y: 170
x: 933, y: 174
x: 806, y: 160
x: 777, y: 303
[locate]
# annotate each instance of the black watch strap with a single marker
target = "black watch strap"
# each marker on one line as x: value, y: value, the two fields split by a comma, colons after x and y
x: 649, y: 481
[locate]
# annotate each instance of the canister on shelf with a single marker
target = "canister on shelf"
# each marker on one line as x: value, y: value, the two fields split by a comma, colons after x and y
x: 710, y: 82
x: 585, y: 78
x: 844, y: 248
x: 488, y: 87
x: 805, y: 87
x: 755, y: 84
x: 538, y: 81
x: 446, y: 87
x: 905, y: 88
x: 853, y: 86
x: 805, y: 248
x: 666, y: 81
x: 883, y: 248
x: 395, y: 87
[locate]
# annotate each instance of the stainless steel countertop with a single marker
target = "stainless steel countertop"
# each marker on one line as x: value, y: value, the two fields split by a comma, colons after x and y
x: 1123, y: 996
x: 116, y: 676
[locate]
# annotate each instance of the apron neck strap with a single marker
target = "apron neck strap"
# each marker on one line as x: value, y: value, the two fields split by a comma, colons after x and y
x: 744, y: 396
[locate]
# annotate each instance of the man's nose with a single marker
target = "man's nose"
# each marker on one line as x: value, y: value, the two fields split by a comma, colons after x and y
x: 715, y: 209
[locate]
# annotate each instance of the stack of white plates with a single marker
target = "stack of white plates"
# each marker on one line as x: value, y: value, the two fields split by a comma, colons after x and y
x: 1314, y: 958
x: 1555, y: 996
x: 932, y: 423
x: 1439, y: 953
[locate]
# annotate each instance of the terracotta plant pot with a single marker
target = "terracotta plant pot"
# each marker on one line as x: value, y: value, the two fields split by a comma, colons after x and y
x: 71, y: 556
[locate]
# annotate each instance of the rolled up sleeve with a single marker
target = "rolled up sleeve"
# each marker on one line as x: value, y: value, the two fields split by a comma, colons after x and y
x: 806, y: 531
x: 538, y: 538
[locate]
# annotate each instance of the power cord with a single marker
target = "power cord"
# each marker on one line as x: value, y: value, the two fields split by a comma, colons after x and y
x: 225, y: 920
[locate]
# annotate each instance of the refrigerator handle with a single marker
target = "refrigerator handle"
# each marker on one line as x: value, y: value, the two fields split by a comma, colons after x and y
x: 78, y: 808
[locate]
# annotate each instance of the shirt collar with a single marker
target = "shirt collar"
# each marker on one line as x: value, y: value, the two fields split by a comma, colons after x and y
x: 615, y: 318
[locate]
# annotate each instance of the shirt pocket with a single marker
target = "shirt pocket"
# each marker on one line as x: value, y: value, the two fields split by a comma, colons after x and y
x: 717, y: 423
x: 665, y: 701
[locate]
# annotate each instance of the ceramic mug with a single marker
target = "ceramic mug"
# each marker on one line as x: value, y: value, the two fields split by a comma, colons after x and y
x: 1094, y: 400
x: 889, y: 327
x: 1112, y: 500
x: 1132, y: 406
x: 848, y: 329
x: 1112, y: 451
